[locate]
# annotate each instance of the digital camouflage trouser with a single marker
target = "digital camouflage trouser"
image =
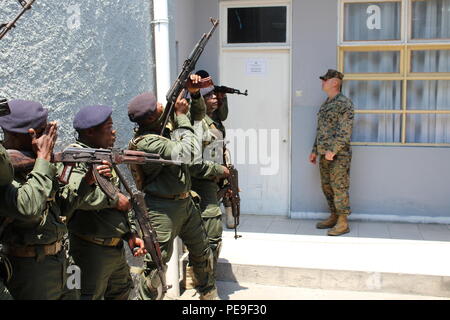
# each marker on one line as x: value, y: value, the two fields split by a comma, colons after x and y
x: 172, y: 218
x: 105, y: 273
x: 335, y: 178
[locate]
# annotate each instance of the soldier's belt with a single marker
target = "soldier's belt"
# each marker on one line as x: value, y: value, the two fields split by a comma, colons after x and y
x: 32, y: 251
x: 180, y: 196
x: 107, y: 242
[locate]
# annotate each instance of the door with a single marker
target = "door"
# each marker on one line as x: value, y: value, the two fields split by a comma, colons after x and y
x: 255, y: 56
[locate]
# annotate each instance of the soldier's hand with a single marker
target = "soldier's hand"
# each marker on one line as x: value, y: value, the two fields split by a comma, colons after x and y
x: 193, y: 80
x: 44, y: 144
x: 329, y: 155
x: 313, y: 158
x: 226, y: 172
x: 181, y: 105
x: 104, y: 170
x: 137, y: 246
x: 124, y: 203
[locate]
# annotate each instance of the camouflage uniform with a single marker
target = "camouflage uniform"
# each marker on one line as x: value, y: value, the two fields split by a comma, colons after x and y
x: 207, y: 188
x: 172, y: 211
x: 6, y: 177
x: 96, y: 230
x: 34, y: 205
x: 334, y: 131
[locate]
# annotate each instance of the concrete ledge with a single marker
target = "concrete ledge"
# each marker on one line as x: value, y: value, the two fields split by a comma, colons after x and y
x: 335, y: 279
x: 337, y: 263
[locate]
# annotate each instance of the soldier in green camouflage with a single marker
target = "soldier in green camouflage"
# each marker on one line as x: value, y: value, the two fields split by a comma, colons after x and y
x: 172, y: 209
x: 99, y: 225
x: 33, y: 232
x: 207, y: 188
x: 332, y: 143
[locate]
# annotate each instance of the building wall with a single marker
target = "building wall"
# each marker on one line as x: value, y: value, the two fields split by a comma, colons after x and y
x: 191, y: 22
x: 67, y: 55
x: 387, y: 183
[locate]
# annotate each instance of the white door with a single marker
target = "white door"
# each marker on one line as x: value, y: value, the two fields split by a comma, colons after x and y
x: 258, y: 125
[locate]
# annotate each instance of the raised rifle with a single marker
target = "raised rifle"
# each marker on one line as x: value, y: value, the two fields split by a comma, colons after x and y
x: 183, y: 76
x: 5, y: 27
x: 225, y: 89
x: 230, y: 190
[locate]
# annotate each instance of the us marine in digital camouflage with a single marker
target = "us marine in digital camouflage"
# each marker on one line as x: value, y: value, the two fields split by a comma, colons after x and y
x: 332, y: 143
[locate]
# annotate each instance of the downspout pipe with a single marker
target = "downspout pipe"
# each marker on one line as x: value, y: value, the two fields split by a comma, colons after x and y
x: 162, y: 60
x: 162, y: 51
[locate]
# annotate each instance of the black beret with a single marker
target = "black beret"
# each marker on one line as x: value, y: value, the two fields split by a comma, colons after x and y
x: 142, y: 106
x: 331, y: 73
x: 91, y: 116
x: 202, y: 73
x: 24, y: 115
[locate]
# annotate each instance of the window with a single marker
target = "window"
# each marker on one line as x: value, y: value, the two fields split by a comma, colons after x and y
x: 396, y: 58
x: 257, y: 25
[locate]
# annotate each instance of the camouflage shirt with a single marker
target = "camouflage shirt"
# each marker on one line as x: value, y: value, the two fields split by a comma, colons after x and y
x: 334, y: 126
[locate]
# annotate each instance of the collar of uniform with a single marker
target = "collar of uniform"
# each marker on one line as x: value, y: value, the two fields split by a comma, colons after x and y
x: 81, y: 144
x: 336, y: 97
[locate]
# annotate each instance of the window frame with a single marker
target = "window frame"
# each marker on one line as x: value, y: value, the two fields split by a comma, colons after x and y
x: 260, y: 4
x: 406, y: 46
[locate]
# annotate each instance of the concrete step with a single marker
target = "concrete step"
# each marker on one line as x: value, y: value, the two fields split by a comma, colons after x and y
x: 409, y: 267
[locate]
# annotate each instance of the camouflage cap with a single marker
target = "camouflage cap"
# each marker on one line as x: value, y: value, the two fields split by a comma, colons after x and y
x: 331, y: 73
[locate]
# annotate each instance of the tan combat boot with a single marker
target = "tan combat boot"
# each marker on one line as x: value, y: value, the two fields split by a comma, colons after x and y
x: 212, y: 295
x: 341, y: 226
x: 330, y: 222
x: 229, y: 217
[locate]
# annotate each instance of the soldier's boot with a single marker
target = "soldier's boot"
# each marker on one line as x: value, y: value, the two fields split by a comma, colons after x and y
x: 229, y: 217
x: 330, y: 222
x: 341, y: 226
x: 191, y: 282
x: 211, y: 295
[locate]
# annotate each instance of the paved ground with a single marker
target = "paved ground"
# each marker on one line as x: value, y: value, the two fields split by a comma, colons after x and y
x: 250, y: 291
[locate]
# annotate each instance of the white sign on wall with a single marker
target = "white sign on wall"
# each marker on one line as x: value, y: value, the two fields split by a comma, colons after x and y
x: 256, y: 66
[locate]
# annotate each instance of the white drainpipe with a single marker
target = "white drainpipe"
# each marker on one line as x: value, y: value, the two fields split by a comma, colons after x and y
x: 163, y: 82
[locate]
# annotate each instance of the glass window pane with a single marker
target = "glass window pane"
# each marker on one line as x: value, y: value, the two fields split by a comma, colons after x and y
x: 372, y: 21
x: 384, y: 128
x: 257, y: 25
x: 374, y: 95
x: 372, y: 62
x: 428, y: 128
x: 428, y: 95
x: 431, y: 19
x: 430, y: 61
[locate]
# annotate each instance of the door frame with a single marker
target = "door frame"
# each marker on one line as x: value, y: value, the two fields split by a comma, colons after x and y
x: 223, y: 46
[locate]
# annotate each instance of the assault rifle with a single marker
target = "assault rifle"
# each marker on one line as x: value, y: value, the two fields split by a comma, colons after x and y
x: 5, y: 27
x: 24, y: 161
x: 4, y: 107
x: 230, y: 190
x: 225, y: 89
x: 183, y: 77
